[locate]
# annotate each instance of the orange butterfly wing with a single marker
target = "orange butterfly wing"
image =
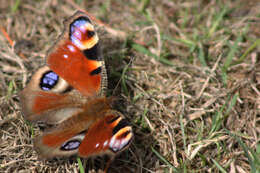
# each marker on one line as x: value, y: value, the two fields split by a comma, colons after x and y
x: 95, y: 131
x: 77, y: 56
x: 109, y: 134
x: 49, y: 98
x: 76, y: 72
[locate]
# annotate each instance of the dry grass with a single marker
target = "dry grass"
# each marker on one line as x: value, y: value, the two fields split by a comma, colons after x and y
x: 187, y: 72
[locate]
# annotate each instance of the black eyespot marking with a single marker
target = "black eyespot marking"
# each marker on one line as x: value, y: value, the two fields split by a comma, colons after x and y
x: 92, y: 53
x: 70, y: 145
x: 82, y: 18
x: 125, y: 134
x: 123, y: 123
x: 49, y: 80
x: 90, y: 33
x: 96, y: 71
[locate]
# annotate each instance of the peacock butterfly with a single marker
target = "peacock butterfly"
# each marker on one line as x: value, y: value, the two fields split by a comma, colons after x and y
x: 69, y: 94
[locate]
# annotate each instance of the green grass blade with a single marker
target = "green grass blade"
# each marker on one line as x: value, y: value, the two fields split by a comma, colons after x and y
x: 217, y: 22
x: 232, y: 103
x: 15, y: 6
x: 144, y: 5
x: 231, y: 54
x: 124, y: 86
x: 81, y: 168
x: 246, y: 150
x: 78, y: 2
x: 143, y: 124
x: 252, y: 156
x: 229, y: 59
x: 145, y: 51
x: 217, y: 120
x: 164, y: 160
x: 219, y: 166
x: 165, y: 61
x: 250, y: 49
x: 186, y: 42
x: 10, y: 89
x: 30, y: 127
x: 202, y: 56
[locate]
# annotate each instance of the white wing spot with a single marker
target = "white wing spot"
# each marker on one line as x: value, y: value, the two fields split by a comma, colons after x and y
x: 77, y: 33
x: 105, y: 143
x: 71, y: 48
x: 112, y: 141
x: 82, y: 27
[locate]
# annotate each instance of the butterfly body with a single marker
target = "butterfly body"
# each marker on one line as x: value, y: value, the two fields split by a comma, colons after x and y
x: 69, y: 94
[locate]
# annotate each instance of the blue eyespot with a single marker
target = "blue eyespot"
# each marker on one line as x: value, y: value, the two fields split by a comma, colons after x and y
x: 49, y: 80
x: 78, y: 31
x: 70, y: 145
x: 81, y: 21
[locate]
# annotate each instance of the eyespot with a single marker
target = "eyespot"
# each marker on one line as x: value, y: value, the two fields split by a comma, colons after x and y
x: 70, y: 145
x: 77, y: 23
x: 82, y: 34
x: 121, y: 139
x: 122, y: 132
x: 50, y: 81
x: 73, y: 143
x: 91, y: 33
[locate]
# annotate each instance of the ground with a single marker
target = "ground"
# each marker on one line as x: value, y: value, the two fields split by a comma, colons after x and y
x: 187, y: 75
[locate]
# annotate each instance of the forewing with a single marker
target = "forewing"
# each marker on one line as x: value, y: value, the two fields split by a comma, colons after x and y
x: 49, y: 98
x: 77, y: 58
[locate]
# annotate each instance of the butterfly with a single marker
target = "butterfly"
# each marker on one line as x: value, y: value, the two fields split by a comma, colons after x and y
x: 68, y: 93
